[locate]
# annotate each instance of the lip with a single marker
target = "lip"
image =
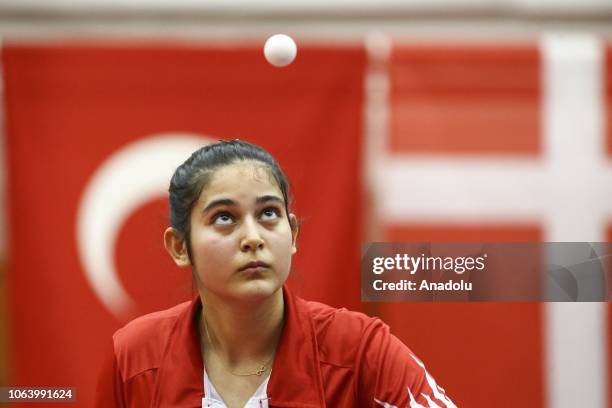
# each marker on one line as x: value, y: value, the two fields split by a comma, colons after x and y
x: 256, y: 266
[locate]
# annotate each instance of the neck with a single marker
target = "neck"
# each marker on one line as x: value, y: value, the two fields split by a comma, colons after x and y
x: 241, y: 333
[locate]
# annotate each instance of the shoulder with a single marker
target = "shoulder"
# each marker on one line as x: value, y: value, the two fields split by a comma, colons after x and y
x: 342, y: 334
x: 139, y: 345
x: 384, y: 369
x: 326, y: 318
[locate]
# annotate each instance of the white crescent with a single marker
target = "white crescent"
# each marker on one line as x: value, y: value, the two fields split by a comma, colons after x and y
x: 128, y: 179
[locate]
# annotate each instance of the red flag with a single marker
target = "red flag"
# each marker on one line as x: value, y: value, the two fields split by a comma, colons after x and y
x: 449, y: 102
x: 75, y: 112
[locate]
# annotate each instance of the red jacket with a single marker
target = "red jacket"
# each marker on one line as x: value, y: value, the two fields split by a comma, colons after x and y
x: 326, y: 358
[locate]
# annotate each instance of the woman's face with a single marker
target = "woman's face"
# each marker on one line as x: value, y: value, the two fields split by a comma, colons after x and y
x: 241, y: 238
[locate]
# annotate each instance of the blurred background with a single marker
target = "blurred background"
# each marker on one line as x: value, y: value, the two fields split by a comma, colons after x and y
x: 446, y: 120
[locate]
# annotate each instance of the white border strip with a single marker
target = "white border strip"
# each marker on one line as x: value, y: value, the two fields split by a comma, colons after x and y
x: 573, y: 120
x: 300, y: 7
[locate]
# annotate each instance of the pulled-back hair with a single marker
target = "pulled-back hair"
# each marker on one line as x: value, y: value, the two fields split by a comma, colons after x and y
x: 191, y: 177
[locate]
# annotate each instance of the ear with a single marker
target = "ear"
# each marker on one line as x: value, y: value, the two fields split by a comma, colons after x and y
x: 176, y: 247
x: 293, y: 222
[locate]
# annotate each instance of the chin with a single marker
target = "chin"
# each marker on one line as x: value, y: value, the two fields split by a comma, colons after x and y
x: 256, y: 289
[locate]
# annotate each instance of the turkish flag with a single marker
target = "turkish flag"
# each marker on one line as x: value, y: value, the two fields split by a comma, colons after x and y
x: 91, y: 129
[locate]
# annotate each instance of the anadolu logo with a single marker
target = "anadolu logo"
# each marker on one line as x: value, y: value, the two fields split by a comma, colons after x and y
x: 136, y: 174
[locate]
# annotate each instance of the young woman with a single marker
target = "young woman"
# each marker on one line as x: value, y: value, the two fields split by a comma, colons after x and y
x: 246, y: 340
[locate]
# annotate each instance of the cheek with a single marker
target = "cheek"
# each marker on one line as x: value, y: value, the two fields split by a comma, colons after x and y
x: 281, y: 247
x: 211, y: 253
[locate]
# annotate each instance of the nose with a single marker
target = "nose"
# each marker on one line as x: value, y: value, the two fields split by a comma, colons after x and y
x: 251, y: 240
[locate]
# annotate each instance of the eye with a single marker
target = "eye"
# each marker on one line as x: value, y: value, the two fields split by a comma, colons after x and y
x: 223, y: 218
x: 270, y: 213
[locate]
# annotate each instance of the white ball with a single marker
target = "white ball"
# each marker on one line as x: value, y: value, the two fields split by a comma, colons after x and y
x: 280, y: 50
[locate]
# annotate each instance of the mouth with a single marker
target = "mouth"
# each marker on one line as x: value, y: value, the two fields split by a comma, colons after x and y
x: 256, y: 266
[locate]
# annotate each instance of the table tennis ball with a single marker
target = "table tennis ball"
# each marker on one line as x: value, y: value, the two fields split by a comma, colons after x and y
x: 280, y: 50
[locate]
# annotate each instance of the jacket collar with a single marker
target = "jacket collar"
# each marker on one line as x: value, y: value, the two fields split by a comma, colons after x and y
x: 295, y: 380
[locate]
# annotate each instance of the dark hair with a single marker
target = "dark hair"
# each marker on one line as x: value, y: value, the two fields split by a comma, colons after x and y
x: 191, y: 177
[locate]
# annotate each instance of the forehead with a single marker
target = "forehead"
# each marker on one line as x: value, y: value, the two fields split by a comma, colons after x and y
x: 240, y: 179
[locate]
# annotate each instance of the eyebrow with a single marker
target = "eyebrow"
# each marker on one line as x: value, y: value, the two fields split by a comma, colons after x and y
x: 231, y: 203
x: 268, y: 198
